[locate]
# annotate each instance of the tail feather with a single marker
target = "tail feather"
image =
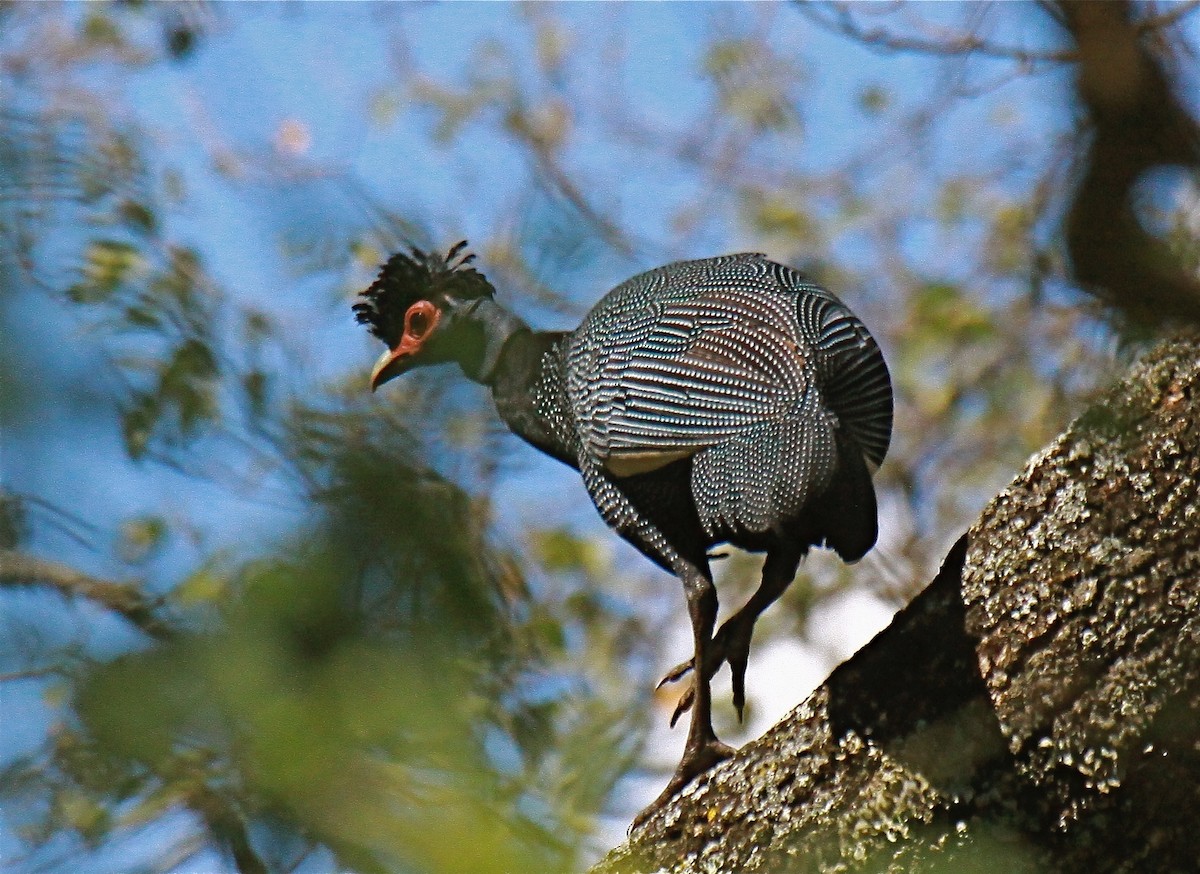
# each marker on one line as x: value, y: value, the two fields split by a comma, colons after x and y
x: 847, y: 509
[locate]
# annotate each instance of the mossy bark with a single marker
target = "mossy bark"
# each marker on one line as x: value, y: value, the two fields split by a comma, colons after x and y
x: 1036, y: 708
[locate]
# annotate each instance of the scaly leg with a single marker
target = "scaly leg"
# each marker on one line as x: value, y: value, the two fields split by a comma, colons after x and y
x: 732, y: 642
x: 702, y: 749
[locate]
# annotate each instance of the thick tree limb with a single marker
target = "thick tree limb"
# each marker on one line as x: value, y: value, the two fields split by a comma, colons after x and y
x: 1036, y: 708
x: 20, y: 569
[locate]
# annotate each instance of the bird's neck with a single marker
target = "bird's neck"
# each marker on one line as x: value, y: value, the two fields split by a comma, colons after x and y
x: 491, y: 326
x: 525, y: 371
x: 530, y: 391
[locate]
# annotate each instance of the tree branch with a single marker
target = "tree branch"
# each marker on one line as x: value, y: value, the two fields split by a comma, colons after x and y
x: 1178, y: 11
x: 1036, y: 708
x: 128, y: 600
x: 838, y: 17
x: 229, y: 828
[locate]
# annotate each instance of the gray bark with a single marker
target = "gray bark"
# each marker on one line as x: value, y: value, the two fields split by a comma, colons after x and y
x: 1036, y: 708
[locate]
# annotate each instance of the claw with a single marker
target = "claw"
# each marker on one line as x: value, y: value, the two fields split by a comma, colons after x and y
x: 684, y: 704
x: 738, y: 656
x: 739, y: 688
x: 717, y: 655
x: 676, y: 673
x: 730, y: 644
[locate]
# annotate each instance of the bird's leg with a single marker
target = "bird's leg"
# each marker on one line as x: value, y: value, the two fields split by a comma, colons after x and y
x: 714, y: 657
x: 703, y: 749
x: 732, y: 641
x: 778, y: 572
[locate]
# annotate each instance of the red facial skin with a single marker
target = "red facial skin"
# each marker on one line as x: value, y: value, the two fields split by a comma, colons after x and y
x: 420, y: 322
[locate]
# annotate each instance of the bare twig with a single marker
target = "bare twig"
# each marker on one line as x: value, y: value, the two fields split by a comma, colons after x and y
x: 1158, y: 22
x: 30, y: 674
x: 838, y: 18
x: 557, y: 177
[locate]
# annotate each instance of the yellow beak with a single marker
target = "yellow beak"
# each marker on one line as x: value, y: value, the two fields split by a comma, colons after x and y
x: 389, y: 366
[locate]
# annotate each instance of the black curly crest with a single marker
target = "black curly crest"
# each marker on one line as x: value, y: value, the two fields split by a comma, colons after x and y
x: 408, y: 278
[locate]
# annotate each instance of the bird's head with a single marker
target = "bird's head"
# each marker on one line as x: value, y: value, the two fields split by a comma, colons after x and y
x: 418, y: 307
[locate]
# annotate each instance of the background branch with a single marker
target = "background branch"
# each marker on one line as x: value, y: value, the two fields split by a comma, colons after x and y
x: 21, y: 569
x: 1139, y: 124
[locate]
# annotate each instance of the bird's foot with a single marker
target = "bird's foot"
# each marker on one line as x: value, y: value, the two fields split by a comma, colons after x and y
x: 696, y: 760
x: 730, y: 644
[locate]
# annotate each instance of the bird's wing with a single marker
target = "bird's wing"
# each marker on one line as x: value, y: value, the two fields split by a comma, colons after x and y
x: 688, y: 370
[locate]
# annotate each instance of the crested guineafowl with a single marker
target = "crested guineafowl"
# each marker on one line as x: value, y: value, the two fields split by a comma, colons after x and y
x: 725, y: 400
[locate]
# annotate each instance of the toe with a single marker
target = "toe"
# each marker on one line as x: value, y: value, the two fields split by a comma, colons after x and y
x: 739, y: 658
x: 684, y: 704
x: 678, y: 672
x: 739, y: 693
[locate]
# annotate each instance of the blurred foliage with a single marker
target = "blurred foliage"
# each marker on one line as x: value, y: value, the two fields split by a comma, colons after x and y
x: 388, y: 679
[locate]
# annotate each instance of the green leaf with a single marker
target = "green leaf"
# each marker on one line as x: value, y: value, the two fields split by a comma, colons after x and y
x: 561, y: 551
x: 100, y: 30
x: 138, y: 215
x: 874, y: 99
x: 138, y: 420
x: 254, y: 384
x: 725, y: 56
x: 56, y: 694
x: 200, y: 588
x: 106, y: 265
x: 140, y: 538
x: 82, y: 812
x: 776, y: 215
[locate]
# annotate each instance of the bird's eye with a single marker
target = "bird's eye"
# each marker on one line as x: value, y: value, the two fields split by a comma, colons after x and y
x: 420, y: 320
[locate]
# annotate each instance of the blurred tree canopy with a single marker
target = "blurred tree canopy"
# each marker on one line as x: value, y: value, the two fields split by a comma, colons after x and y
x: 256, y: 619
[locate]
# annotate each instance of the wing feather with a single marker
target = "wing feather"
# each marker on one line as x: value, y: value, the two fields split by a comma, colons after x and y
x: 697, y: 353
x: 688, y: 369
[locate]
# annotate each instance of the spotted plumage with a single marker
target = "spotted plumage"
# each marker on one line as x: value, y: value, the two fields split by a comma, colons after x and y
x: 727, y: 361
x: 724, y: 400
